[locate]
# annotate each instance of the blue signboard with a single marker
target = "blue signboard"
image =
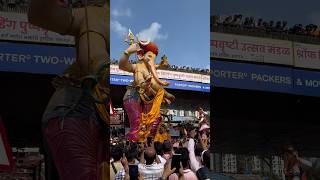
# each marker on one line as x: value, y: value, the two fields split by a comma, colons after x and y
x: 306, y: 82
x: 120, y: 80
x: 183, y: 118
x: 44, y: 59
x: 174, y: 133
x: 174, y: 84
x: 35, y: 58
x: 249, y: 76
x: 265, y: 78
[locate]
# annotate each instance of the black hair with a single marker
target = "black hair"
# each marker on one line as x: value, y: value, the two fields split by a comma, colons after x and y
x: 131, y: 154
x: 116, y: 152
x: 149, y: 158
x: 198, y: 149
x: 134, y: 145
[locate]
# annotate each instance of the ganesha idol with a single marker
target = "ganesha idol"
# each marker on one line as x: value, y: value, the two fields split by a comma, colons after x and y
x: 144, y: 97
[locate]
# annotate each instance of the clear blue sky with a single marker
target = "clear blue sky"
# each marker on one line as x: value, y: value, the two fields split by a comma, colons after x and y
x: 294, y: 11
x: 180, y: 28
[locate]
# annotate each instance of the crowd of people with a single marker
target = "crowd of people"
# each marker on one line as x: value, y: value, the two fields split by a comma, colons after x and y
x: 185, y: 157
x: 176, y: 68
x: 21, y: 6
x: 268, y: 26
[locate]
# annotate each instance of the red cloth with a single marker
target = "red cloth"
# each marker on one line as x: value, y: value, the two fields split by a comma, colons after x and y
x: 78, y: 149
x: 149, y: 47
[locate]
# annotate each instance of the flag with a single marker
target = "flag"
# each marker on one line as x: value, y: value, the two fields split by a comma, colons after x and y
x: 112, y: 111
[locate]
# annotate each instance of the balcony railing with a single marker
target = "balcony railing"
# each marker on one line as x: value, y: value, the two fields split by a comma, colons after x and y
x: 259, y: 32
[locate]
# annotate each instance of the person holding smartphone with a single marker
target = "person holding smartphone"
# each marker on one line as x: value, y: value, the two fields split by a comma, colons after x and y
x: 186, y: 172
x: 168, y: 170
x: 150, y: 166
x: 167, y: 150
x: 128, y: 162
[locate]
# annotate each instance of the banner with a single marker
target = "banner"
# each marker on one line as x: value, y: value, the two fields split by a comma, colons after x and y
x: 174, y: 84
x: 35, y: 58
x: 249, y: 76
x: 247, y: 48
x: 115, y: 119
x: 265, y: 78
x: 44, y: 59
x: 174, y: 132
x: 306, y: 55
x: 182, y: 76
x: 306, y: 83
x: 114, y: 69
x: 166, y: 74
x: 15, y: 27
x: 182, y: 118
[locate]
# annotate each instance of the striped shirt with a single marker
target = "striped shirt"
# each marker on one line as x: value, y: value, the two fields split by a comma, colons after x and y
x: 120, y: 175
x: 118, y: 167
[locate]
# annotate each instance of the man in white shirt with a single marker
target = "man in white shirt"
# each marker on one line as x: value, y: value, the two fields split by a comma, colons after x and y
x: 150, y: 167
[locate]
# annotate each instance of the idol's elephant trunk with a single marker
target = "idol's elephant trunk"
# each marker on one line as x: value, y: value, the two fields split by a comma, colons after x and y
x: 152, y: 68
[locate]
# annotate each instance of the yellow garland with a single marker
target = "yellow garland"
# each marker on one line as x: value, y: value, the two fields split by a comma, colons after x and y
x: 154, y: 113
x: 161, y: 137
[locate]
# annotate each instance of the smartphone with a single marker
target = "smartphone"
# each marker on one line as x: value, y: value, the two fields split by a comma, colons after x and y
x: 175, y: 163
x: 133, y: 172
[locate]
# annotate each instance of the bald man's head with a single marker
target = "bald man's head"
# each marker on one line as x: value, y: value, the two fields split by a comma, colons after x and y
x: 150, y: 155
